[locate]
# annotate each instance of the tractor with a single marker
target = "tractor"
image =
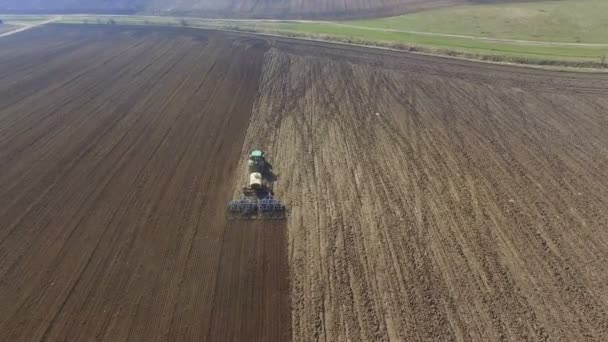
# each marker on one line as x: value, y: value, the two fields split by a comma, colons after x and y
x: 257, y: 200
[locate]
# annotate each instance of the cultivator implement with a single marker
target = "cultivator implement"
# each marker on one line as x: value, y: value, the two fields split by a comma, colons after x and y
x: 243, y: 207
x: 246, y: 208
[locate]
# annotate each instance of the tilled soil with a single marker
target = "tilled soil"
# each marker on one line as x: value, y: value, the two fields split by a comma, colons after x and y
x: 253, y: 286
x: 429, y: 198
x: 118, y: 152
x: 434, y: 199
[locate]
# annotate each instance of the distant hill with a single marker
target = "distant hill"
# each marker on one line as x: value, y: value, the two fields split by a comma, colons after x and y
x: 72, y: 6
x: 309, y: 9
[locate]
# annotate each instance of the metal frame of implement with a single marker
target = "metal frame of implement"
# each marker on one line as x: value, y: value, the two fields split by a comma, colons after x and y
x: 268, y: 207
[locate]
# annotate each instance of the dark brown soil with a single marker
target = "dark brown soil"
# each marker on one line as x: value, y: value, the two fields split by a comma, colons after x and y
x: 118, y: 152
x: 253, y: 287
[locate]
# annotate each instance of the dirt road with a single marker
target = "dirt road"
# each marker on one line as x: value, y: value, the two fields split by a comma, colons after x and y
x: 7, y: 28
x: 429, y: 198
x: 10, y: 30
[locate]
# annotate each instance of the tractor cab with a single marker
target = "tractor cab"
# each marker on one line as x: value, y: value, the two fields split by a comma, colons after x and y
x: 257, y: 162
x: 257, y: 155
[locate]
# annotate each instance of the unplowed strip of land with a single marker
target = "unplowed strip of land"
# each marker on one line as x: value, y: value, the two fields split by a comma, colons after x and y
x: 118, y: 151
x: 434, y: 200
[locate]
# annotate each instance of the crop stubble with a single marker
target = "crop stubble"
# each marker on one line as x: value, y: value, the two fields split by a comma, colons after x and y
x: 429, y: 198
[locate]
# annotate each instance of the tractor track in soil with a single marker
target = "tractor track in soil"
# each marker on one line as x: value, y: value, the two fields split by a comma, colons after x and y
x: 429, y: 198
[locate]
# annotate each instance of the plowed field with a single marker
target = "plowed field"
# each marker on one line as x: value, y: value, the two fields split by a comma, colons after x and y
x: 118, y: 152
x: 429, y: 199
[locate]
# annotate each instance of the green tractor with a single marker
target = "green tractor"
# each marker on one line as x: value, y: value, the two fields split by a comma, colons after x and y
x: 257, y: 162
x: 257, y: 200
